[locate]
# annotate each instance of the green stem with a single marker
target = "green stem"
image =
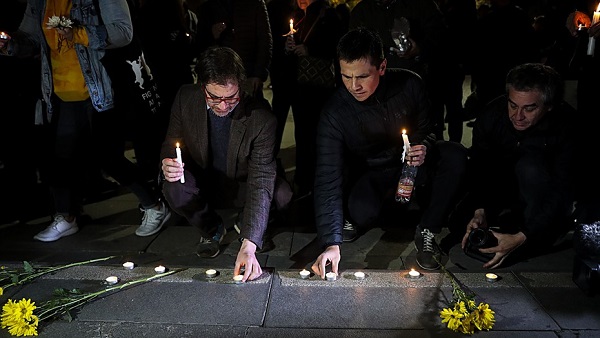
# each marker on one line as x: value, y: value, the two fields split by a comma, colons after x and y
x: 80, y: 300
x: 47, y: 270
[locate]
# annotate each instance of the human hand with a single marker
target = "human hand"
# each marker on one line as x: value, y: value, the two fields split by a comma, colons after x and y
x: 507, y: 243
x: 332, y: 256
x: 290, y: 43
x: 65, y: 32
x: 300, y: 50
x: 172, y: 170
x: 478, y: 221
x: 217, y: 29
x: 246, y: 258
x: 416, y: 154
x: 575, y: 19
x: 4, y: 38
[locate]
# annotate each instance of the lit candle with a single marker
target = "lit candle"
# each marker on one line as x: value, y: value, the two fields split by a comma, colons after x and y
x: 178, y: 151
x: 291, y: 26
x: 160, y: 269
x: 592, y: 40
x: 304, y: 274
x: 112, y: 280
x: 128, y: 265
x: 4, y: 36
x: 210, y: 273
x: 359, y: 275
x: 331, y: 276
x: 414, y: 273
x: 406, y: 144
x: 491, y: 277
x: 238, y: 279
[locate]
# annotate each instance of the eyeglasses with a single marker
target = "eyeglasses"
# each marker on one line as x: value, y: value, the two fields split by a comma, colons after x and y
x: 213, y: 99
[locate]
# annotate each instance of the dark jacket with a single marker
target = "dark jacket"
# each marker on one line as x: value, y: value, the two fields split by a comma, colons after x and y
x: 250, y: 160
x: 496, y: 144
x: 365, y: 134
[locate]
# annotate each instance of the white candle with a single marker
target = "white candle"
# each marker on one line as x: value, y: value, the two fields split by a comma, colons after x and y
x: 178, y: 151
x: 592, y: 40
x: 112, y: 280
x: 414, y: 273
x: 238, y: 279
x: 359, y: 275
x: 4, y: 36
x: 304, y: 274
x: 210, y: 273
x: 160, y: 269
x: 331, y: 276
x: 128, y: 265
x: 406, y: 144
x: 291, y: 26
x: 491, y: 277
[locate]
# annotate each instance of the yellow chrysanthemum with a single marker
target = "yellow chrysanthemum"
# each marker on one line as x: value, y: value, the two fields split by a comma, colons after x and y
x: 26, y: 307
x: 467, y: 326
x: 9, y: 313
x: 452, y: 317
x: 483, y: 317
x: 471, y: 305
x: 461, y: 307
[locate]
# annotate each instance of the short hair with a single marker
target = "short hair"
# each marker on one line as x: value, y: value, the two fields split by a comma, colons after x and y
x: 361, y: 43
x: 536, y: 76
x: 220, y: 65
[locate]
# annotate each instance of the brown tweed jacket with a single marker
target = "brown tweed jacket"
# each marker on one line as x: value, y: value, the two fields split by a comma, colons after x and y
x: 250, y: 154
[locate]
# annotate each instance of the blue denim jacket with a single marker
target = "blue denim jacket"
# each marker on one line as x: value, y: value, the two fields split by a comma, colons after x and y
x: 111, y: 27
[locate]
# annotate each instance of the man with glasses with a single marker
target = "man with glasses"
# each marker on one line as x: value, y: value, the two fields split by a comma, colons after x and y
x: 227, y: 143
x: 360, y: 153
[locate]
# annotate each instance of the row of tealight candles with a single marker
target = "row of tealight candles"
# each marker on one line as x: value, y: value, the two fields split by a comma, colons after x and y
x: 359, y: 275
x: 129, y: 266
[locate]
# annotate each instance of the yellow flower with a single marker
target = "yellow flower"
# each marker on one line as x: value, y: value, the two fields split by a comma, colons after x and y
x: 19, y: 318
x: 483, y: 317
x: 452, y: 317
x: 1, y: 291
x: 467, y: 326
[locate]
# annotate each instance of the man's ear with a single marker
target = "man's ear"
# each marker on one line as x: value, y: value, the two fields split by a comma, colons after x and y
x: 382, y: 67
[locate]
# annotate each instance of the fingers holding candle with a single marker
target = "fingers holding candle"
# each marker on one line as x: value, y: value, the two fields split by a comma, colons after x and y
x: 172, y: 170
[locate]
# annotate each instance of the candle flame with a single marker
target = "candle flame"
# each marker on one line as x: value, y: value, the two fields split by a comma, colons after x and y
x: 177, y: 144
x: 598, y: 8
x: 291, y: 21
x: 403, y: 131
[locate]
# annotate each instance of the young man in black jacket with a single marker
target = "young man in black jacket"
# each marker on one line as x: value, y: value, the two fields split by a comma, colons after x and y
x: 360, y: 131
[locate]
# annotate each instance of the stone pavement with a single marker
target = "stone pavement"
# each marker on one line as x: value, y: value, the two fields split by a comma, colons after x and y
x: 537, y: 298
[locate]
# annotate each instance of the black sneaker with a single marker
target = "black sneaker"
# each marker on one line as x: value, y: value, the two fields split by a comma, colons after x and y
x: 211, y: 247
x: 349, y: 232
x: 428, y: 252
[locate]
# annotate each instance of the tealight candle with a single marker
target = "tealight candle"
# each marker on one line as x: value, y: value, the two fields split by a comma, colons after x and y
x: 210, y: 273
x: 359, y: 275
x: 112, y: 280
x: 414, y: 273
x: 331, y: 276
x: 491, y: 277
x: 305, y: 274
x: 179, y: 160
x: 128, y: 265
x: 238, y: 279
x: 160, y: 269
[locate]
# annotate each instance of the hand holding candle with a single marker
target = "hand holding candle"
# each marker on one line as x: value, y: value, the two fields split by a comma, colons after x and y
x: 592, y: 40
x: 178, y: 151
x: 292, y: 30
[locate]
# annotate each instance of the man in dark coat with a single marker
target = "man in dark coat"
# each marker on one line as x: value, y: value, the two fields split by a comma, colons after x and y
x: 360, y: 131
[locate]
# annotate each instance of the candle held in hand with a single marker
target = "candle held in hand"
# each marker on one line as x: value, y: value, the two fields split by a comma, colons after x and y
x: 291, y: 26
x: 406, y: 144
x: 592, y: 41
x: 178, y: 152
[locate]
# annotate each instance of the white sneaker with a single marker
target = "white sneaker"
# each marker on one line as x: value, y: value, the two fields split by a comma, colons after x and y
x: 153, y: 220
x: 59, y: 228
